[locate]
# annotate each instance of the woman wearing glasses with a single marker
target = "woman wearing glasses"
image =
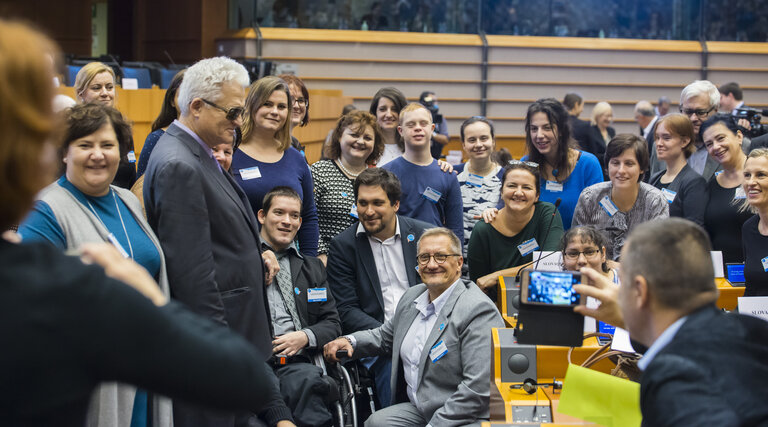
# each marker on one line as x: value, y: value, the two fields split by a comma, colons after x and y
x: 523, y: 225
x: 617, y: 206
x: 83, y: 207
x: 480, y: 177
x: 300, y: 106
x: 723, y: 217
x: 684, y: 189
x: 585, y: 246
x: 265, y: 159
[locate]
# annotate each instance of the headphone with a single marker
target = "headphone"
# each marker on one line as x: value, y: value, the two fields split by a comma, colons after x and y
x: 530, y: 385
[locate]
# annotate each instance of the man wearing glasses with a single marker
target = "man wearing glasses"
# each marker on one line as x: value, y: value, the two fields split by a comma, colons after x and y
x: 372, y: 263
x: 439, y: 340
x: 206, y: 227
x: 698, y: 101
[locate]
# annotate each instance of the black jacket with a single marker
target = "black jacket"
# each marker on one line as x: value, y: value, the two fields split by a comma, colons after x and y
x: 353, y: 277
x: 713, y: 372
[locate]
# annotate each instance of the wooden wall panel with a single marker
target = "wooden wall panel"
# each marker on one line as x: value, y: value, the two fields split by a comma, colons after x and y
x: 67, y: 22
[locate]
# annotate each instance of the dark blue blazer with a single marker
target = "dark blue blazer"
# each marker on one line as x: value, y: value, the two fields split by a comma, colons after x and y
x: 714, y: 372
x: 353, y: 278
x: 209, y: 236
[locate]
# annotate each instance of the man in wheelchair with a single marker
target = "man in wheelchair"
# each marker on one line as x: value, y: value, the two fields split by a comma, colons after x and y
x: 303, y: 313
x: 439, y: 340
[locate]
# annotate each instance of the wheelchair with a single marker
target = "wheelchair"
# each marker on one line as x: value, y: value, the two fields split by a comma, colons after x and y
x: 357, y: 398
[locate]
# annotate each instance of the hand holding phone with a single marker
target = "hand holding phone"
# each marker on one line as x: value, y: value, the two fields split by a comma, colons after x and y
x: 553, y: 288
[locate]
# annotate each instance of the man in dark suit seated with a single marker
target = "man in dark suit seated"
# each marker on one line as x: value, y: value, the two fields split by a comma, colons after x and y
x: 303, y: 312
x: 439, y: 341
x: 579, y: 128
x: 206, y: 227
x: 703, y: 366
x: 372, y: 263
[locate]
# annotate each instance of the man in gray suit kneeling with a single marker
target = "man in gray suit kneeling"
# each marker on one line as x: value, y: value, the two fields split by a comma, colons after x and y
x: 439, y: 340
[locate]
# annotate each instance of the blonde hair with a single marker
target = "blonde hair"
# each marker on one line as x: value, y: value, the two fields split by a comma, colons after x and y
x: 88, y: 73
x: 27, y: 120
x: 599, y: 109
x: 413, y: 106
x: 757, y: 152
x: 260, y: 91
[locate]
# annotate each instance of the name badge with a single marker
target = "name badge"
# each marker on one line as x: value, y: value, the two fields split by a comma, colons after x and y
x: 527, y: 247
x: 608, y: 206
x: 131, y: 157
x: 431, y: 194
x: 475, y: 180
x: 112, y: 239
x: 554, y: 186
x: 438, y: 351
x: 250, y: 173
x: 740, y: 194
x: 353, y: 211
x: 317, y: 294
x: 765, y: 263
x: 669, y: 194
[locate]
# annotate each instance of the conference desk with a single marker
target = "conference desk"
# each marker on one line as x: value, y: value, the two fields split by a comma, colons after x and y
x: 509, y: 297
x: 509, y: 404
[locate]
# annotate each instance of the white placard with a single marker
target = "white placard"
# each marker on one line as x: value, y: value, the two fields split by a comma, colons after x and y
x: 621, y: 341
x: 717, y: 262
x: 287, y: 68
x: 754, y: 306
x: 551, y: 263
x: 130, y: 84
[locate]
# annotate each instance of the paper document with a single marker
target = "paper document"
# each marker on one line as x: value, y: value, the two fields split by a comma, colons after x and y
x: 600, y: 398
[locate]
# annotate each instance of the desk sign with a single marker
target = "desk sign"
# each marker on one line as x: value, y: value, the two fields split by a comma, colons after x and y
x: 717, y: 263
x: 130, y: 84
x: 754, y: 306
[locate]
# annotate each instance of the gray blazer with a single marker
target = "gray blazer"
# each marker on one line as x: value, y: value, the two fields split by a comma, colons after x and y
x: 455, y: 389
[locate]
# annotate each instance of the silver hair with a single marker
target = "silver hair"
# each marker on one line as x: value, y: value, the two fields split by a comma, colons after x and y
x: 205, y: 79
x: 599, y: 109
x: 701, y: 87
x: 441, y: 231
x: 644, y: 108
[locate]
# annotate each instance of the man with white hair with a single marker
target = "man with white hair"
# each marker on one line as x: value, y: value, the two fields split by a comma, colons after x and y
x: 699, y: 101
x: 206, y: 227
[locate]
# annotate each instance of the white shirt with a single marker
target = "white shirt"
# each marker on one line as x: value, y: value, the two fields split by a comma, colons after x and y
x: 390, y: 266
x: 648, y: 129
x: 391, y: 152
x: 661, y: 342
x: 739, y: 105
x: 412, y: 349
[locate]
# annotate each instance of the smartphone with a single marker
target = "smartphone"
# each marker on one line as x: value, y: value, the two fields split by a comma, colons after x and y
x: 735, y: 273
x: 554, y: 288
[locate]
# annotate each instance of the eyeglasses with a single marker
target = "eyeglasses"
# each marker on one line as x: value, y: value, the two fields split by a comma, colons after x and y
x: 588, y: 253
x: 233, y: 113
x: 301, y: 101
x: 699, y: 113
x: 518, y: 162
x: 423, y: 259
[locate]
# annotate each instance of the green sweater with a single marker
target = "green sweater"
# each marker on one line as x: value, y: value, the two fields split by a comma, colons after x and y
x: 491, y: 251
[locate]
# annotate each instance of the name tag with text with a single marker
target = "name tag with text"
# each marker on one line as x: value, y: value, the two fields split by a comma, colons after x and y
x: 317, y: 294
x: 250, y: 173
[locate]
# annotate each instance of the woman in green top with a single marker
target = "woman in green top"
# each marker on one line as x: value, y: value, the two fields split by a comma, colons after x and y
x: 499, y: 248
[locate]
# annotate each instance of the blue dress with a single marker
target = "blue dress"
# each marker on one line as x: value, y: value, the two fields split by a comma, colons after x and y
x: 586, y: 172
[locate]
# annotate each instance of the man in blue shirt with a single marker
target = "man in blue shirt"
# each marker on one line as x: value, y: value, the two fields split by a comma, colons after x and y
x: 429, y: 194
x: 703, y: 366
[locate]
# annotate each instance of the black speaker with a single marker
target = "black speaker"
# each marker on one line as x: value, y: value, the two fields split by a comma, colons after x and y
x: 512, y: 287
x: 518, y: 361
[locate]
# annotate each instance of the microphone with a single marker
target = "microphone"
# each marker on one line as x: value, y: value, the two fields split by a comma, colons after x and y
x: 168, y: 55
x: 122, y: 72
x: 549, y: 227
